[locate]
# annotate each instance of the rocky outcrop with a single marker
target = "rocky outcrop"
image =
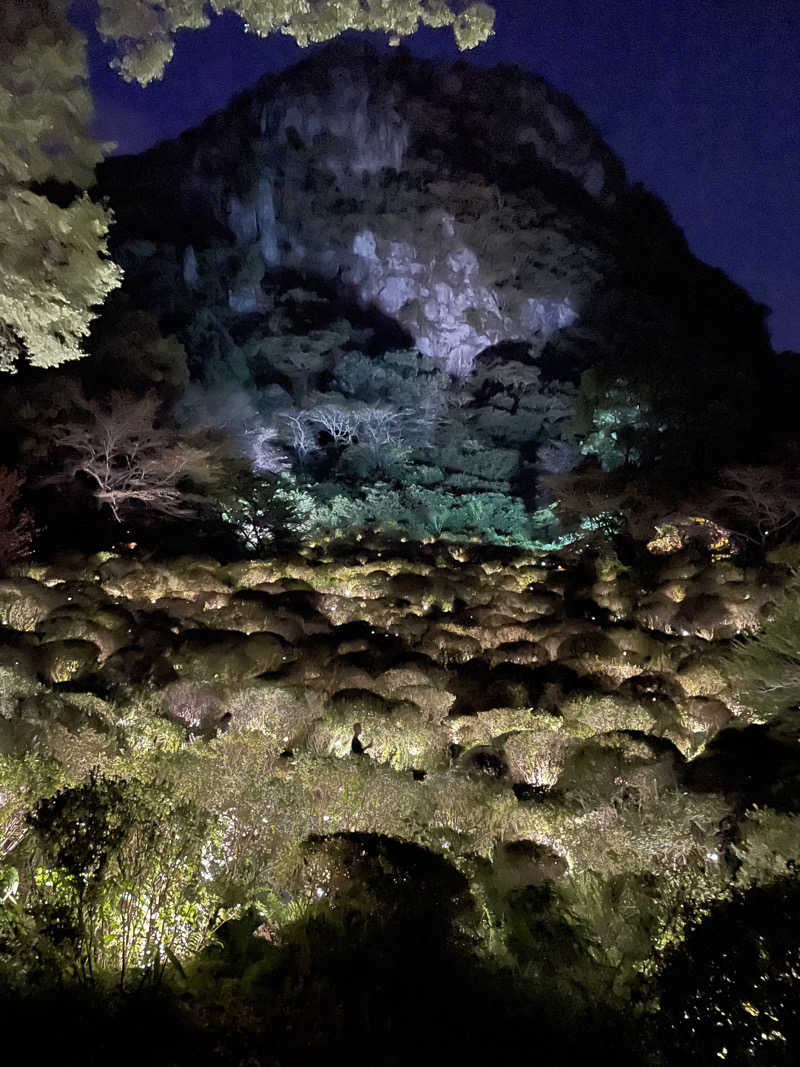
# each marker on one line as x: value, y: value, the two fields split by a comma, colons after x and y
x: 456, y: 201
x: 462, y: 210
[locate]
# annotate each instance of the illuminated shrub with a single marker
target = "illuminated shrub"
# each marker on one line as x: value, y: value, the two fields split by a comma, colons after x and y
x: 524, y: 863
x: 591, y: 774
x: 63, y: 626
x: 701, y: 676
x: 614, y: 599
x: 18, y: 668
x: 432, y: 704
x: 252, y: 616
x: 360, y: 702
x: 132, y: 580
x: 411, y: 674
x: 536, y: 757
x: 118, y: 889
x: 72, y: 752
x: 16, y: 738
x: 68, y: 660
x: 73, y: 710
x: 340, y: 610
x: 487, y: 725
x: 250, y: 573
x: 423, y: 590
x: 280, y: 711
x: 706, y: 616
x: 638, y: 643
x: 528, y: 605
x: 405, y: 741
x: 193, y: 704
x: 508, y: 686
x: 208, y: 655
x: 24, y: 603
x: 526, y: 653
x: 703, y: 715
x: 594, y: 645
x: 768, y: 845
x: 449, y: 647
x: 616, y: 918
x: 508, y: 632
x: 135, y: 666
x: 646, y: 685
x: 469, y: 813
x: 657, y: 612
x: 608, y: 711
x: 675, y: 590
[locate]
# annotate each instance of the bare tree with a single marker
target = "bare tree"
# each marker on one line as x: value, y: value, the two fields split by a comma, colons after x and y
x: 762, y: 503
x: 379, y: 426
x: 264, y: 452
x: 132, y: 462
x: 301, y: 437
x: 340, y: 422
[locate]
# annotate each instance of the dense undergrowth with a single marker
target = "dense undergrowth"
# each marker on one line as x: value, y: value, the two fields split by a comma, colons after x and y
x: 574, y: 771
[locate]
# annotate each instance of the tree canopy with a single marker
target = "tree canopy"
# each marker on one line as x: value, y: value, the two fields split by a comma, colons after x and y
x: 143, y: 33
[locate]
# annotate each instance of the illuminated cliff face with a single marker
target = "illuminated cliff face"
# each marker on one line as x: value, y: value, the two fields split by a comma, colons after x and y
x: 444, y: 303
x: 356, y: 129
x: 430, y: 193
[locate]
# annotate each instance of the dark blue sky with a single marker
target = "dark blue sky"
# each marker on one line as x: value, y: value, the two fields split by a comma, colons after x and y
x: 699, y: 98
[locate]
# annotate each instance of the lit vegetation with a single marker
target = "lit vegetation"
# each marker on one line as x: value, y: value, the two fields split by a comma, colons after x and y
x: 136, y: 824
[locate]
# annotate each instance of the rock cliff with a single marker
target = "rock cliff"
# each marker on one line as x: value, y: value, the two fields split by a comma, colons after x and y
x: 436, y: 193
x: 471, y: 208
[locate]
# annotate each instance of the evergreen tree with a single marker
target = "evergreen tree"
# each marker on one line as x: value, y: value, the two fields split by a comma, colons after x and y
x: 54, y: 267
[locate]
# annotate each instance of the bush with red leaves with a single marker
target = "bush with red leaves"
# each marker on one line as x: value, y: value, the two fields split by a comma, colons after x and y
x: 16, y: 525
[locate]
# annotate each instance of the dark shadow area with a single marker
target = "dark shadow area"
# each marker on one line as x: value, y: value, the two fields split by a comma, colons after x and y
x: 750, y: 764
x: 729, y: 993
x: 386, y: 975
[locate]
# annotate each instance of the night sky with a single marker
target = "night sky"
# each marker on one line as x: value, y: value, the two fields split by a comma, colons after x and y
x: 699, y: 98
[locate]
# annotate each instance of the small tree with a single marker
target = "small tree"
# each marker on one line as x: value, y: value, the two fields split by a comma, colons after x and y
x: 762, y: 503
x: 267, y: 511
x: 133, y: 463
x: 16, y: 526
x: 301, y: 437
x: 118, y: 886
x: 598, y: 504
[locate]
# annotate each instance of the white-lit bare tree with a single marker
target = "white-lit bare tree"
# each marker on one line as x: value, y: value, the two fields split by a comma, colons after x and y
x: 134, y: 464
x: 301, y: 437
x: 380, y: 426
x: 264, y: 450
x: 339, y: 421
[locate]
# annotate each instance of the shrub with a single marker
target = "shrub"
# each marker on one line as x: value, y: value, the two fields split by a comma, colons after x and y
x: 536, y: 757
x: 765, y: 671
x: 119, y: 888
